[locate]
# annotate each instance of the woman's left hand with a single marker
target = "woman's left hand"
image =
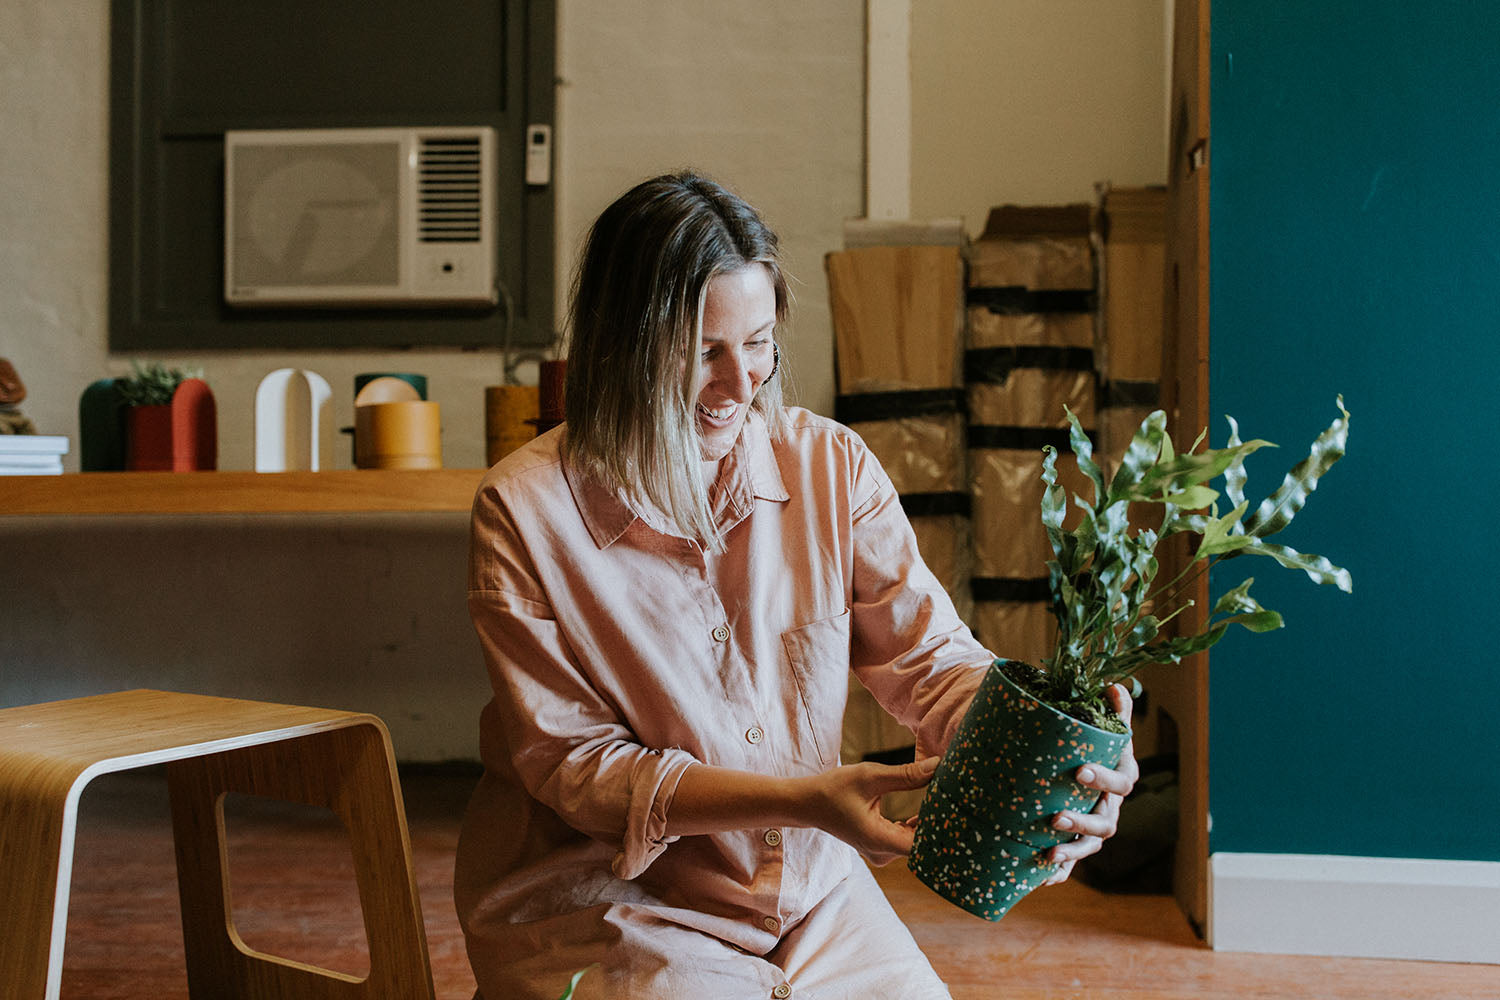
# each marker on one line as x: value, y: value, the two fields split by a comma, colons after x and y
x: 1095, y: 827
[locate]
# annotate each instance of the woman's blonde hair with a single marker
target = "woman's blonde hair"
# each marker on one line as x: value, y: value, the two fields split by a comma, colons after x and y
x: 637, y: 308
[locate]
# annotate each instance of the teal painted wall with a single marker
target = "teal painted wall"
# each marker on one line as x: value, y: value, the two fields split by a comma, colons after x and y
x: 1356, y: 248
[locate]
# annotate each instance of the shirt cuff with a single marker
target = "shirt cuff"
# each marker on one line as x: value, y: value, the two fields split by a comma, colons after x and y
x: 652, y: 788
x: 953, y: 707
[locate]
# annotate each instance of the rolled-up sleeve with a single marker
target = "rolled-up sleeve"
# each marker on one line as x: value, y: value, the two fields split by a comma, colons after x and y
x: 561, y: 736
x: 910, y: 648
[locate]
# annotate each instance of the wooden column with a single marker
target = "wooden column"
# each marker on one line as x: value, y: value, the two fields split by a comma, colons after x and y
x: 1182, y: 692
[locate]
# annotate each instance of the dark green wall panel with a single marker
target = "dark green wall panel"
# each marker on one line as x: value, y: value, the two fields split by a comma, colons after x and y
x: 184, y: 72
x: 1356, y: 249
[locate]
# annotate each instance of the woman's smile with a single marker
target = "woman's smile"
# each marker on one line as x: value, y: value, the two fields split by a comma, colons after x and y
x: 739, y: 320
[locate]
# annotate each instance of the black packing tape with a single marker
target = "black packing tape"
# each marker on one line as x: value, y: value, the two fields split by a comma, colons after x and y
x: 1018, y: 300
x: 994, y: 364
x: 1019, y: 590
x: 1023, y: 438
x: 1129, y: 393
x: 895, y: 405
x: 936, y: 504
x: 896, y: 755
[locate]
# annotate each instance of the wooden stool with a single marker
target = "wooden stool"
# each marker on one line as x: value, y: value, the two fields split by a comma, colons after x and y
x: 318, y: 757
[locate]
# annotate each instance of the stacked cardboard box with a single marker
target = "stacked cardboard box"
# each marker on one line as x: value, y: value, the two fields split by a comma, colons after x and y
x: 897, y: 301
x: 1132, y: 279
x: 1031, y: 303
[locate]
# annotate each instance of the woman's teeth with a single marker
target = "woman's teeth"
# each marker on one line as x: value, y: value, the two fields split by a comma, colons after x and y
x: 722, y: 413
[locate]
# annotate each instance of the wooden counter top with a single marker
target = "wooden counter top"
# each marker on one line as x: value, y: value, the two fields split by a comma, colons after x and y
x: 343, y: 490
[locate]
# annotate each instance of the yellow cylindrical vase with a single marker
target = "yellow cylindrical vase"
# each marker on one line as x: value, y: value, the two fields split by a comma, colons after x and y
x: 402, y: 435
x: 510, y: 412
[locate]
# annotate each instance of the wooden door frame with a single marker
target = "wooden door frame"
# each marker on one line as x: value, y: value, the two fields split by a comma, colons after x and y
x: 1183, y: 692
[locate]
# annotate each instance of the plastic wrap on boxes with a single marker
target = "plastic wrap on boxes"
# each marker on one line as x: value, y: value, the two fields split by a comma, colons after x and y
x: 925, y: 458
x: 1033, y: 397
x: 1009, y: 540
x: 1121, y: 408
x: 1031, y: 306
x: 947, y: 549
x: 920, y: 454
x: 1019, y: 630
x: 1041, y: 263
x: 988, y: 328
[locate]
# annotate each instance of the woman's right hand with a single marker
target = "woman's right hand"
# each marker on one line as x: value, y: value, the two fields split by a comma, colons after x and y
x: 846, y: 803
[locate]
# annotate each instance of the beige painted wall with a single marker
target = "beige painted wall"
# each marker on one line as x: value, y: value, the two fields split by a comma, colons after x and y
x: 1033, y: 101
x: 765, y: 97
x: 365, y: 612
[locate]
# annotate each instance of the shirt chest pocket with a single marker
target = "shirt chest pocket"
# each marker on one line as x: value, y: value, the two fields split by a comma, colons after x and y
x: 818, y: 655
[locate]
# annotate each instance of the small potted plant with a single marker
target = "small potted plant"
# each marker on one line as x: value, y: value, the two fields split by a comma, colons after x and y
x: 985, y: 822
x: 169, y: 417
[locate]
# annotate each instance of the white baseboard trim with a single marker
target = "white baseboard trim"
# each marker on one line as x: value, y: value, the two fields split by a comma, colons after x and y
x: 1301, y: 904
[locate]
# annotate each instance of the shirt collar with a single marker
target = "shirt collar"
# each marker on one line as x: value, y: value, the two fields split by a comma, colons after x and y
x: 750, y: 473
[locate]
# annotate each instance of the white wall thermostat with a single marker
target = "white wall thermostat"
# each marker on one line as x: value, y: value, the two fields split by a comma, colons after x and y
x: 538, y: 154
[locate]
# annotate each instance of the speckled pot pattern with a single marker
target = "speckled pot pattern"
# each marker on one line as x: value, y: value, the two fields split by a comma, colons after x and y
x: 984, y: 825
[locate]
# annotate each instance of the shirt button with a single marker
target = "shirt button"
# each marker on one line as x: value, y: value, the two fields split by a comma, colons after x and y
x: 773, y: 838
x: 772, y: 924
x: 720, y: 633
x: 782, y: 992
x: 755, y: 734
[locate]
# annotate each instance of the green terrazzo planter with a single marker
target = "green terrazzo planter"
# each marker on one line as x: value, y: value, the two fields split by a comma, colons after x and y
x: 985, y: 823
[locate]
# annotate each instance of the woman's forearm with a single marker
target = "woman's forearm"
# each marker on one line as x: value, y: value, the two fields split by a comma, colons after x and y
x: 715, y: 799
x: 844, y: 801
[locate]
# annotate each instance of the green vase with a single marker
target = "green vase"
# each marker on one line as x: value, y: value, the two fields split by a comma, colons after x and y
x: 985, y: 824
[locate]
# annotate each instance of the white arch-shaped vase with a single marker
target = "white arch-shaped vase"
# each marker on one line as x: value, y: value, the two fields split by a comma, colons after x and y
x: 291, y: 415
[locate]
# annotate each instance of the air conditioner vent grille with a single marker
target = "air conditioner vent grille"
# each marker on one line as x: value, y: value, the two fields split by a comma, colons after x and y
x: 448, y: 190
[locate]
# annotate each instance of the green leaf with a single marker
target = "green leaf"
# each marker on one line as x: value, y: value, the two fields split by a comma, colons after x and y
x: 1080, y: 545
x: 1193, y: 468
x: 1144, y: 631
x: 1064, y: 601
x: 1278, y: 509
x: 1192, y: 498
x: 1236, y: 600
x: 1170, y: 651
x: 1258, y: 621
x: 1149, y: 446
x: 573, y: 984
x: 1245, y: 610
x: 1053, y: 501
x: 1234, y: 474
x: 1316, y: 567
x: 1219, y: 535
x: 1083, y: 450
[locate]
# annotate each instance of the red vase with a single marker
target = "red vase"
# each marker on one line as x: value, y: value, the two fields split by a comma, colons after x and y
x: 148, y: 438
x: 182, y: 436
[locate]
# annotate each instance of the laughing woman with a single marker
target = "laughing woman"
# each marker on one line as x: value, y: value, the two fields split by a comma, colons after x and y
x: 670, y: 591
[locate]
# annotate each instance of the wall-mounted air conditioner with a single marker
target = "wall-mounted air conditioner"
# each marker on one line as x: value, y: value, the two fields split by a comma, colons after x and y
x: 360, y: 217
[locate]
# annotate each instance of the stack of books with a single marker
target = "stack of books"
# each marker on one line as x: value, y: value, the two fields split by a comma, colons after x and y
x: 32, y: 454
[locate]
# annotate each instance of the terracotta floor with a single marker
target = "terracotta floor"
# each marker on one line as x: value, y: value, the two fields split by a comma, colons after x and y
x: 294, y: 897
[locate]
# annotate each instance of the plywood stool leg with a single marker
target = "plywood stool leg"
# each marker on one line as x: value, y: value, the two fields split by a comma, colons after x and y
x: 351, y: 772
x: 38, y: 807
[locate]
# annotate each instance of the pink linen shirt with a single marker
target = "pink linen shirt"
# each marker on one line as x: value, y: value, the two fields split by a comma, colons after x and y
x: 621, y: 653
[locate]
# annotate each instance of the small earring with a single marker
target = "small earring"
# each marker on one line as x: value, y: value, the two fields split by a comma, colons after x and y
x: 775, y: 362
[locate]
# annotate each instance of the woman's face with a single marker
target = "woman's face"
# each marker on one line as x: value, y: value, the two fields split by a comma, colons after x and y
x: 739, y: 318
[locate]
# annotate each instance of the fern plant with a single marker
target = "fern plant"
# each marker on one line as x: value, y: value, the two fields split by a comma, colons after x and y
x: 1110, y: 607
